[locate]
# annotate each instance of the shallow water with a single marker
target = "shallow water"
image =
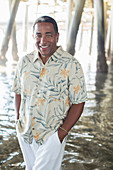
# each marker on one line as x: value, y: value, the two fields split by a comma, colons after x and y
x: 90, y: 142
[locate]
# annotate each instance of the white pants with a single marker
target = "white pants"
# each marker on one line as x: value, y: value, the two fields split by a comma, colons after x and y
x: 45, y: 157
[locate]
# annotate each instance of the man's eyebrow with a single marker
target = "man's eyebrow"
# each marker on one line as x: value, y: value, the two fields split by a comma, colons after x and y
x: 45, y: 33
x: 49, y: 33
x: 38, y: 33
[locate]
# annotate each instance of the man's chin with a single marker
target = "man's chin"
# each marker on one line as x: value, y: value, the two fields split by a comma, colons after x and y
x: 44, y: 55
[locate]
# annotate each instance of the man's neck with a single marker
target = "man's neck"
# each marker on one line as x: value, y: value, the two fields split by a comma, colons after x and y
x: 45, y: 58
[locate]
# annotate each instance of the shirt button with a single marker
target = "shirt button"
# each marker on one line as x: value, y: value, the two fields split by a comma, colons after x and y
x: 37, y: 92
x: 33, y: 128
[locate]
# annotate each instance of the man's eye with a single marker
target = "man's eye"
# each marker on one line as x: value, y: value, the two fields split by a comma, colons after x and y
x: 48, y: 35
x: 37, y: 36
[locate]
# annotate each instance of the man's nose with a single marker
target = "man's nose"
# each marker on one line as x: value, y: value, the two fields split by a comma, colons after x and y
x: 43, y: 40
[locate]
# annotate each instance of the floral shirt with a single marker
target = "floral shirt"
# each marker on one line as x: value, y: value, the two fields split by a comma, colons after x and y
x: 47, y: 92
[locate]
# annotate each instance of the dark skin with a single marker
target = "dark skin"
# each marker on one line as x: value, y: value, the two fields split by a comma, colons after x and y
x: 72, y: 117
x: 46, y: 42
x: 17, y: 104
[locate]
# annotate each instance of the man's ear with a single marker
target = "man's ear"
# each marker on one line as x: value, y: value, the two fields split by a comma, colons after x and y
x: 57, y: 37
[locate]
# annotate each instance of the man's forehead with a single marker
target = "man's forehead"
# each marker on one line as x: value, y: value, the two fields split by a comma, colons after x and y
x: 44, y: 26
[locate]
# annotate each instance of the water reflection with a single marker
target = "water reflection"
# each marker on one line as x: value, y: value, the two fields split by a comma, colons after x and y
x: 90, y: 142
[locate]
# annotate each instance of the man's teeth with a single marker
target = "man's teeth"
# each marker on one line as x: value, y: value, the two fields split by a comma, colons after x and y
x: 44, y: 46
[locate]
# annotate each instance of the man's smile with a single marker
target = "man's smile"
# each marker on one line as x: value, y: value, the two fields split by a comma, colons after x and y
x: 44, y: 47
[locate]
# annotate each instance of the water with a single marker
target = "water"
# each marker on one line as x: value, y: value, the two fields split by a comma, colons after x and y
x: 90, y: 142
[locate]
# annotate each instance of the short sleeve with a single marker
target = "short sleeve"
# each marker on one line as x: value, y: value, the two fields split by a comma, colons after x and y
x: 77, y: 87
x: 17, y: 84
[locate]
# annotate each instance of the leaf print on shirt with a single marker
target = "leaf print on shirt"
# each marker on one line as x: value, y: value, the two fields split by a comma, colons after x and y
x: 36, y: 136
x: 27, y: 91
x: 57, y: 100
x: 33, y: 122
x: 44, y: 71
x: 46, y: 111
x: 26, y: 75
x: 40, y: 101
x: 77, y: 89
x: 67, y: 102
x: 25, y: 120
x: 64, y: 72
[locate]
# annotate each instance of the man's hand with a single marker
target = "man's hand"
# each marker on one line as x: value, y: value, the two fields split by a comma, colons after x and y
x: 18, y: 116
x: 73, y: 115
x: 17, y: 104
x: 61, y: 135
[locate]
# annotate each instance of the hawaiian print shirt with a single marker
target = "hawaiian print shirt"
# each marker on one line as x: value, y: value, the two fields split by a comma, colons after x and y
x: 47, y: 92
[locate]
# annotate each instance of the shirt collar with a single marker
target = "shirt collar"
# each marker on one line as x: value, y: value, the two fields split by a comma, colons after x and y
x: 57, y: 54
x: 36, y: 56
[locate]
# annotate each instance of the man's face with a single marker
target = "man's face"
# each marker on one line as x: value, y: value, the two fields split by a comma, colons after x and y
x: 45, y: 39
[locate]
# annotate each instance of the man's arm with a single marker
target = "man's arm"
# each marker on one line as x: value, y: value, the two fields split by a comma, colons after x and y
x: 17, y: 104
x: 72, y: 117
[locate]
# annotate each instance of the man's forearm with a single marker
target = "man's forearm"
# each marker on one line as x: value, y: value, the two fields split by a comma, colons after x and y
x: 17, y: 104
x: 72, y: 117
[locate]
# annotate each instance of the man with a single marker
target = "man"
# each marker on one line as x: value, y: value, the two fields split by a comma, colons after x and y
x: 50, y: 94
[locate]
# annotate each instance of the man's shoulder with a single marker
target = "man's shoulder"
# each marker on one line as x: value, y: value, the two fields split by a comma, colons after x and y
x: 68, y: 57
x: 28, y: 57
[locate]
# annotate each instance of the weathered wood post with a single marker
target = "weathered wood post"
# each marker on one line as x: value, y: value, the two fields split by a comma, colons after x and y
x: 81, y: 35
x: 9, y: 31
x: 111, y: 41
x: 79, y: 5
x: 92, y: 28
x: 108, y: 39
x: 101, y: 59
x: 91, y: 35
x: 105, y: 18
x: 25, y: 29
x: 14, y: 41
x: 69, y: 16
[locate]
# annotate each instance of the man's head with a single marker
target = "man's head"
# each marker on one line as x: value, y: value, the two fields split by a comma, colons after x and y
x: 45, y: 33
x: 46, y: 19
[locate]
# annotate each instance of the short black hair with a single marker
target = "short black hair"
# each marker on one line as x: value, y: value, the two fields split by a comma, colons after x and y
x: 46, y: 19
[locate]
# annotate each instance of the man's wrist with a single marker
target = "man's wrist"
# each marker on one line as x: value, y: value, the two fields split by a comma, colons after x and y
x: 17, y: 115
x: 64, y: 130
x: 62, y: 134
